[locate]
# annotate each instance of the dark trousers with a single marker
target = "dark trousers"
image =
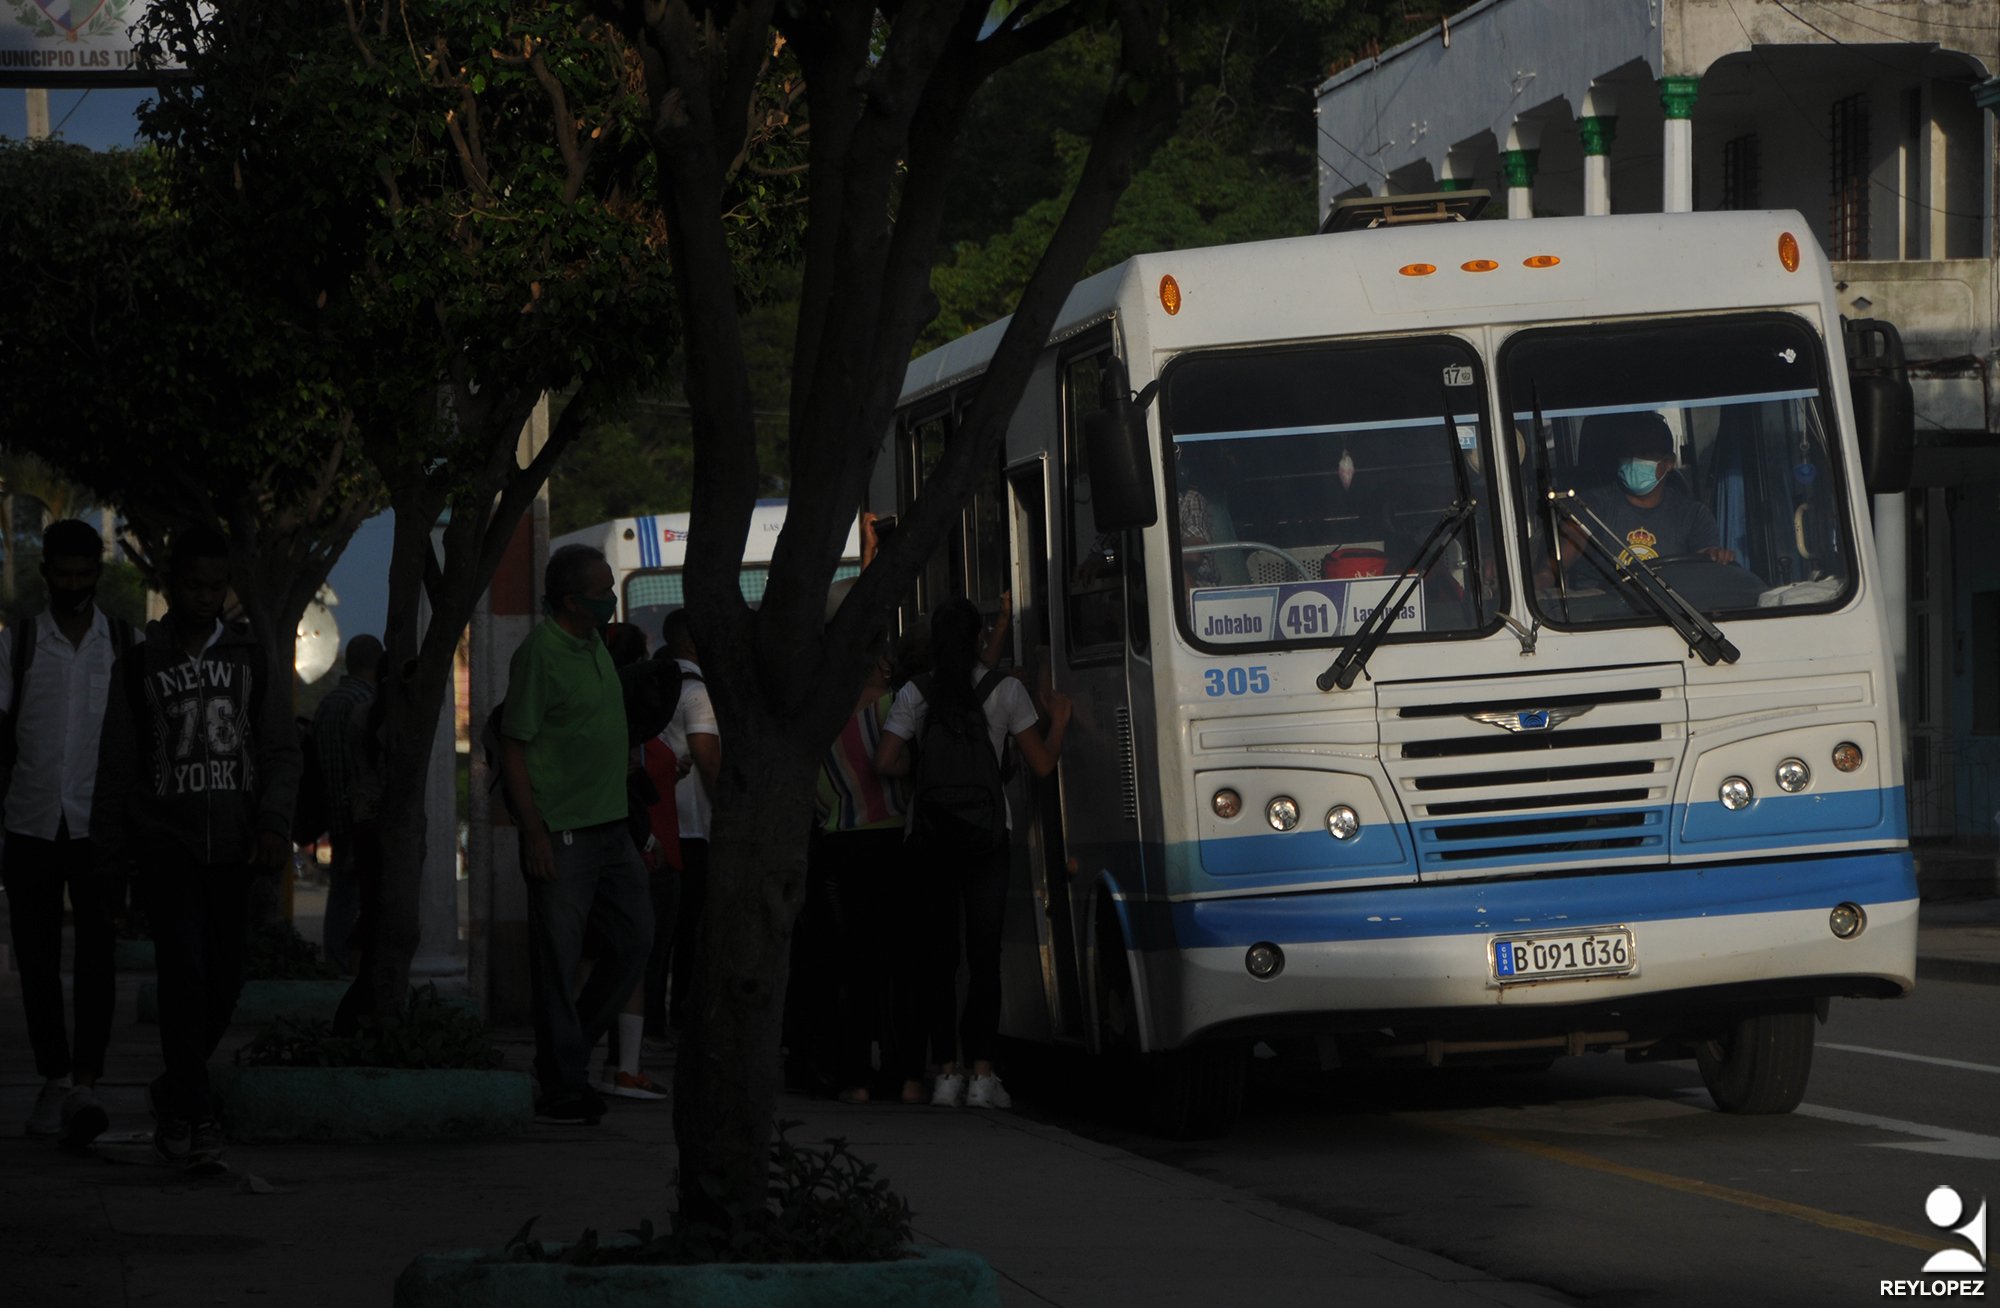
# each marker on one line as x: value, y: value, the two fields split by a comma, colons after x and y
x: 946, y: 891
x: 200, y: 914
x: 666, y: 887
x: 35, y: 873
x: 858, y: 875
x: 687, y: 927
x: 363, y: 846
x: 599, y: 891
x: 343, y: 899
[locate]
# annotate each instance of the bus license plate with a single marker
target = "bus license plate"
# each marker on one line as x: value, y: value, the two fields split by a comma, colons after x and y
x: 1598, y: 951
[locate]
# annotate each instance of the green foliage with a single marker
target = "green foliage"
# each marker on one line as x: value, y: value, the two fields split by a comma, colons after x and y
x: 1240, y: 167
x: 429, y: 1032
x: 277, y: 952
x: 821, y: 1206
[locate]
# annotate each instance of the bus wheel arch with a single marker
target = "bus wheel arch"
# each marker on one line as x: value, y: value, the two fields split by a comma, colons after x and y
x: 1758, y: 1062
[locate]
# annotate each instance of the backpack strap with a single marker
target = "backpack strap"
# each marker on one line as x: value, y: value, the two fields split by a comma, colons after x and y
x: 989, y: 683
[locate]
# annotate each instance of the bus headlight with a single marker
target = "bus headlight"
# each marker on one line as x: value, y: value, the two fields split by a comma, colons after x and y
x: 1847, y: 756
x: 1342, y: 822
x: 1794, y: 776
x: 1846, y: 920
x: 1736, y: 794
x: 1282, y: 813
x: 1226, y: 803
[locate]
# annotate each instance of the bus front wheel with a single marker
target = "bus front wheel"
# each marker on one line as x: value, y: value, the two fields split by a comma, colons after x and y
x: 1759, y: 1062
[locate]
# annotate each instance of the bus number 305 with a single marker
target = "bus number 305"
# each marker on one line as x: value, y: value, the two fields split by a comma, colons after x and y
x: 1254, y: 680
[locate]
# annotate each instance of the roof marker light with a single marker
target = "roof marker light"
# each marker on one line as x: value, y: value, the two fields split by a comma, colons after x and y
x: 1788, y: 251
x: 1541, y: 261
x: 1170, y: 295
x: 1478, y: 265
x: 1417, y: 269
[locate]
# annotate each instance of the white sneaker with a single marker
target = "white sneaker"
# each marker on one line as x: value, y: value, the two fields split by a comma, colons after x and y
x: 987, y: 1092
x: 83, y: 1118
x: 949, y: 1092
x: 46, y: 1122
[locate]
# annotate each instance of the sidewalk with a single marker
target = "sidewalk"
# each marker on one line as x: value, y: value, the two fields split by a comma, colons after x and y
x: 1062, y: 1219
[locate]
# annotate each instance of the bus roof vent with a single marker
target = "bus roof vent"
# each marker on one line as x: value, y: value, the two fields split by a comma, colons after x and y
x: 1370, y: 211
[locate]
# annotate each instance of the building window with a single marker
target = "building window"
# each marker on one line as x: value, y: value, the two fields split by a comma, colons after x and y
x: 1848, y: 226
x: 1742, y: 169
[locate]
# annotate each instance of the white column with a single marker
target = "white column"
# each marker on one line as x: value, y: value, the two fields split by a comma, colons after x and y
x: 1517, y: 168
x: 497, y: 921
x: 1677, y: 96
x: 38, y: 112
x: 1597, y: 127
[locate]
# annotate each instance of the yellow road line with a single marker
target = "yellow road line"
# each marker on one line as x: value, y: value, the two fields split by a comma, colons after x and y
x: 1688, y: 1185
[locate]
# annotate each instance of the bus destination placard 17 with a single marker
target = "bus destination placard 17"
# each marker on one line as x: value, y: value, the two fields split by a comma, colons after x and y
x: 1297, y: 611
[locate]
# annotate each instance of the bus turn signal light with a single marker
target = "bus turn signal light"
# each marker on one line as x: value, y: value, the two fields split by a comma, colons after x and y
x: 1478, y: 265
x: 1170, y: 295
x: 1788, y: 251
x: 1417, y: 269
x: 1541, y: 261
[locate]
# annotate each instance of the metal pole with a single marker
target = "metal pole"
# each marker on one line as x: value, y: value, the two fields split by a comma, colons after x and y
x: 38, y: 113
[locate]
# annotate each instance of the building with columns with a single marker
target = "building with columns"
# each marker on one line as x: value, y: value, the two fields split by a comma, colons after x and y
x: 1875, y: 120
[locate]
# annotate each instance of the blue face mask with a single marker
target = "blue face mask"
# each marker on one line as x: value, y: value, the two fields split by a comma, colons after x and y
x: 1640, y: 476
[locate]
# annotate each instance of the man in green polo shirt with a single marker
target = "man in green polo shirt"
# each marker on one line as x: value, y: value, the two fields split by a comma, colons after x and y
x: 563, y: 757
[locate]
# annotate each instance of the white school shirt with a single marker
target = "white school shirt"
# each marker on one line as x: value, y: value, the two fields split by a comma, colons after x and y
x: 1009, y: 712
x: 60, y: 715
x: 693, y: 715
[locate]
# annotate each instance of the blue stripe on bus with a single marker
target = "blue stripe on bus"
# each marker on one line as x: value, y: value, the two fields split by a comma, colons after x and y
x: 1524, y: 903
x: 1774, y: 824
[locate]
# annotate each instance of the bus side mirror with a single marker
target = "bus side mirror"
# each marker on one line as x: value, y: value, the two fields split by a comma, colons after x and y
x: 1115, y: 450
x: 1885, y: 421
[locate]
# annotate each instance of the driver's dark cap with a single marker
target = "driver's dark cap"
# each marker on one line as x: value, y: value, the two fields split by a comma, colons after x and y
x: 1640, y: 435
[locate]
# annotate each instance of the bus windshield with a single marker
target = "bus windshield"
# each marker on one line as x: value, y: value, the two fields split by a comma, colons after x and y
x: 1307, y: 480
x: 1701, y: 449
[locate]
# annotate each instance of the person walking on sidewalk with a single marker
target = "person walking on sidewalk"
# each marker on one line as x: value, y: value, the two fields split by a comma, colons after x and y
x: 348, y: 769
x: 959, y: 719
x: 54, y: 668
x: 692, y: 736
x: 563, y: 759
x: 198, y: 768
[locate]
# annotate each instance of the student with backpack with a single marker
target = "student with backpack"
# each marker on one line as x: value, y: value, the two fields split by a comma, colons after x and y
x: 948, y: 731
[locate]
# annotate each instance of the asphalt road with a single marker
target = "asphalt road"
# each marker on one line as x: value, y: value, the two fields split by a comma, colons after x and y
x: 1619, y: 1184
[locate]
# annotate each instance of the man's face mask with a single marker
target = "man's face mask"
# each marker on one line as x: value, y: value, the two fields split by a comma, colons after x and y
x: 1639, y: 476
x: 601, y: 609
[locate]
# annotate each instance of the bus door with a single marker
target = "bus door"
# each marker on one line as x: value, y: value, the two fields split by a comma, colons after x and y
x: 1048, y: 898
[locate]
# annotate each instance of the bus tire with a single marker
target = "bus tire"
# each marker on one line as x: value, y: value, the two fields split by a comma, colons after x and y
x: 1195, y: 1093
x: 1760, y: 1061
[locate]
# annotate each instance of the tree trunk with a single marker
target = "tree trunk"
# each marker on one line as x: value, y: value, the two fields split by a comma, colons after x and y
x: 410, y: 719
x: 726, y: 1077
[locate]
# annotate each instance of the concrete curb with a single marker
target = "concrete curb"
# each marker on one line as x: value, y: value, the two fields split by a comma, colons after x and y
x: 933, y: 1278
x: 370, y: 1103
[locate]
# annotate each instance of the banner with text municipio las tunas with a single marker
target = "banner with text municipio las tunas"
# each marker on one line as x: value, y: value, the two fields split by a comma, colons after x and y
x: 70, y: 43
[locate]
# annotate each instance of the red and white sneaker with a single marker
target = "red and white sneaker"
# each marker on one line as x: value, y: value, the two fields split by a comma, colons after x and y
x: 630, y: 1085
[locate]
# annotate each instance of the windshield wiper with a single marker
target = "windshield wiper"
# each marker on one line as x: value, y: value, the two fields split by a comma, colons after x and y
x: 1354, y: 659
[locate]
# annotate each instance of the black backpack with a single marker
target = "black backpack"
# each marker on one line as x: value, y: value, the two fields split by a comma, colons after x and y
x: 957, y: 795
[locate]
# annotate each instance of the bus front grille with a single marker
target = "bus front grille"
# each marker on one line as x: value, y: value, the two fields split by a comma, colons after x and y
x: 1496, y: 777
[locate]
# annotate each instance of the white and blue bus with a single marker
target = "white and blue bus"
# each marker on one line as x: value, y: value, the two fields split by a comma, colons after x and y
x: 1396, y: 734
x: 647, y: 554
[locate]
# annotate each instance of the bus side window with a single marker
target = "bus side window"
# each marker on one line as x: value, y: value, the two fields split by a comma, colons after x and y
x: 923, y: 439
x: 1094, y: 566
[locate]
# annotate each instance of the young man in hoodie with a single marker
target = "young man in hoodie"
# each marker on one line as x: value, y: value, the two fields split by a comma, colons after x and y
x: 197, y: 769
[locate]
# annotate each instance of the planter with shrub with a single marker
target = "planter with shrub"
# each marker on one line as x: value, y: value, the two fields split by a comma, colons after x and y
x: 427, y: 1072
x: 833, y: 1235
